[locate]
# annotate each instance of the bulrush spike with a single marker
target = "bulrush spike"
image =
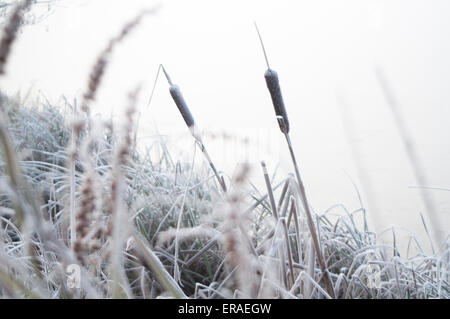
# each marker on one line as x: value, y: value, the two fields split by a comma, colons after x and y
x: 181, y: 104
x: 273, y: 84
x: 189, y: 119
x: 179, y: 101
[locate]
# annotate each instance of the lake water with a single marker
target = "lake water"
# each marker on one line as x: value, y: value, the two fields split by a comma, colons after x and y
x: 321, y: 50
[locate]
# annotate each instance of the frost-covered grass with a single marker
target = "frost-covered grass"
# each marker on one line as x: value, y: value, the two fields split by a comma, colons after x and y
x: 211, y: 244
x: 85, y: 213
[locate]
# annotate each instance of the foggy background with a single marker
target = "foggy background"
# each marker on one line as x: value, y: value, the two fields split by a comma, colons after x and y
x: 320, y: 49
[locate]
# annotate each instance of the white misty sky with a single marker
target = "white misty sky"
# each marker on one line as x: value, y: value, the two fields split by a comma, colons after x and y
x: 318, y: 48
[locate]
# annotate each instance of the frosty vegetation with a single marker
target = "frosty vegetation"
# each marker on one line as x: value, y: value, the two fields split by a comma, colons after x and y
x: 78, y: 197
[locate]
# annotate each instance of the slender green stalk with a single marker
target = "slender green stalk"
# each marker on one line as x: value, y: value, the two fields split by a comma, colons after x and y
x: 157, y: 268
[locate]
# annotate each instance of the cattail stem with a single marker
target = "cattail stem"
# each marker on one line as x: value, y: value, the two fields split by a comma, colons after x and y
x: 301, y: 188
x: 213, y: 167
x: 273, y: 86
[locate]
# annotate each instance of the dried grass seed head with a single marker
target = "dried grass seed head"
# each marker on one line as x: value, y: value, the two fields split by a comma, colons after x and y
x: 98, y: 70
x: 10, y: 30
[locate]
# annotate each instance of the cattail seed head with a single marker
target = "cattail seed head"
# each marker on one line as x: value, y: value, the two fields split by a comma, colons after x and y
x: 181, y: 104
x: 273, y: 85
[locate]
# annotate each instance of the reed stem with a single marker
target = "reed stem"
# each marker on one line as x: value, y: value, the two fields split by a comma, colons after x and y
x: 323, y: 267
